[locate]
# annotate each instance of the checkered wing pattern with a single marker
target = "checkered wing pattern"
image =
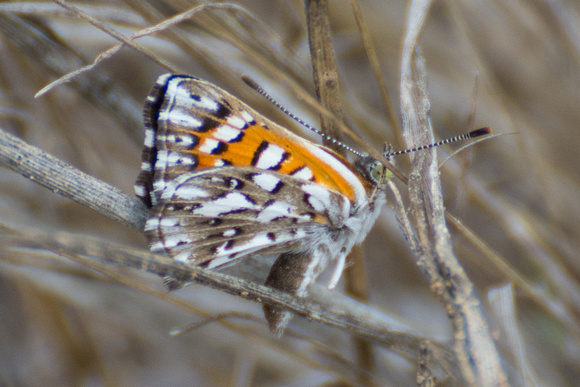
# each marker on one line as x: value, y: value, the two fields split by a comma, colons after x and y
x: 212, y: 217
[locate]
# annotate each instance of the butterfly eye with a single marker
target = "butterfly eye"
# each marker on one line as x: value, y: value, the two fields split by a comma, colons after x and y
x: 377, y: 172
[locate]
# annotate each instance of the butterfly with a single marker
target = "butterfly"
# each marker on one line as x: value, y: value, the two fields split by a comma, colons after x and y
x: 224, y: 182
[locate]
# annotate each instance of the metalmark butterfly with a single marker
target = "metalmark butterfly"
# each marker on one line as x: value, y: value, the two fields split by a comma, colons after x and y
x: 224, y: 182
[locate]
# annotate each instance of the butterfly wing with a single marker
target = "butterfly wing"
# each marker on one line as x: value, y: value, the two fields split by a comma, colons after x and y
x: 192, y: 125
x: 215, y: 216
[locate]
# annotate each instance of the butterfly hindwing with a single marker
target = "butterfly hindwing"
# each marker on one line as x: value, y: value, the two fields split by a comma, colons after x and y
x: 214, y: 216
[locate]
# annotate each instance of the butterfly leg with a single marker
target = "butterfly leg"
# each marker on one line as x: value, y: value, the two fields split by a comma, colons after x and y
x: 293, y: 273
x: 337, y: 270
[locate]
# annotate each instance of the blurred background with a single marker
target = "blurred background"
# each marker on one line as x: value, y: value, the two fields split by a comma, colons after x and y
x: 514, y: 64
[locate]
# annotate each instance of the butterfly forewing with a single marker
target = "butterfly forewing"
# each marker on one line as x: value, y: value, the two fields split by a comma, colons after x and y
x: 193, y: 125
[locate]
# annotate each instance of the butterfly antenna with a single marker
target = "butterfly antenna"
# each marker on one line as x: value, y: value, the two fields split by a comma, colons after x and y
x: 475, y: 133
x: 254, y: 85
x: 387, y: 153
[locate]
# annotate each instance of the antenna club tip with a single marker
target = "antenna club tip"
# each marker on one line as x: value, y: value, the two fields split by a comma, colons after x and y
x: 480, y: 132
x: 250, y: 82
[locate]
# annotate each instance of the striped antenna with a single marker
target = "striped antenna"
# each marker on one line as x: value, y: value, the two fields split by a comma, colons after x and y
x: 254, y: 85
x: 387, y: 154
x: 475, y: 133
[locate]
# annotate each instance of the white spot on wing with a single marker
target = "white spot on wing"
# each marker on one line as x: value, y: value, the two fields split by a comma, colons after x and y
x: 185, y: 139
x: 170, y: 189
x: 183, y: 257
x: 266, y: 181
x: 319, y: 197
x: 149, y: 138
x: 159, y: 185
x: 226, y: 133
x: 140, y: 190
x: 186, y: 192
x: 275, y: 210
x: 188, y: 160
x: 207, y: 103
x: 180, y: 117
x: 162, y: 79
x: 257, y: 243
x: 152, y: 224
x: 221, y: 250
x: 270, y: 157
x: 247, y: 116
x: 231, y: 202
x: 236, y: 122
x: 173, y: 240
x: 304, y: 174
x: 177, y: 158
x: 230, y: 233
x: 169, y: 222
x: 184, y: 97
x: 173, y: 158
x: 146, y: 166
x: 161, y: 162
x: 157, y: 247
x: 208, y: 145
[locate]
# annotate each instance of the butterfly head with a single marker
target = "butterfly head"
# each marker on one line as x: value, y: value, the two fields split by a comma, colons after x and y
x: 372, y: 170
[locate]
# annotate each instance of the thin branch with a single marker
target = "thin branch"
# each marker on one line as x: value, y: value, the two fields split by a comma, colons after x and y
x: 129, y: 40
x: 67, y: 181
x: 324, y: 68
x: 378, y: 72
x: 474, y: 347
x: 326, y: 82
x: 343, y: 313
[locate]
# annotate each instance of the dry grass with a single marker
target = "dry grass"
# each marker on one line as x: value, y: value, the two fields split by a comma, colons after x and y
x: 512, y: 202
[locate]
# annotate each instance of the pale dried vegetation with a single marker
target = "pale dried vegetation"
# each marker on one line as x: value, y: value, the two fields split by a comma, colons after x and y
x: 491, y: 299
